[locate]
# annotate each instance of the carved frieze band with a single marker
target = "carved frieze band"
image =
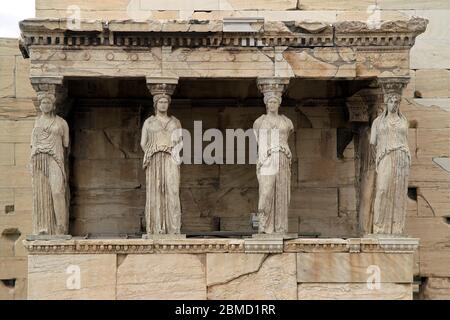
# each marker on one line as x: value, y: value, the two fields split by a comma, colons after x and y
x: 389, y: 33
x: 197, y: 246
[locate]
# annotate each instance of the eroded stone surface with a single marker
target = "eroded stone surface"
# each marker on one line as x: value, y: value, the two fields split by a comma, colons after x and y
x: 162, y: 276
x: 349, y: 267
x: 353, y: 291
x: 435, y: 288
x: 223, y: 268
x: 55, y: 277
x: 275, y: 279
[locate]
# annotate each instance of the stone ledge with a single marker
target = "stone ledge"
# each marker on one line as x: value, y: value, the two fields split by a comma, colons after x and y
x: 353, y: 245
x: 264, y: 245
x: 197, y: 246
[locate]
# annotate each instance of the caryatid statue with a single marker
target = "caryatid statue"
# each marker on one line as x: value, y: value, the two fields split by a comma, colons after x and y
x: 389, y: 135
x: 273, y: 168
x: 50, y: 138
x: 160, y: 140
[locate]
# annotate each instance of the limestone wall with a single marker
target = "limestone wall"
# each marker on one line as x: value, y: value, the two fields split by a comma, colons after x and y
x: 221, y: 269
x: 217, y: 276
x: 108, y: 183
x: 16, y: 120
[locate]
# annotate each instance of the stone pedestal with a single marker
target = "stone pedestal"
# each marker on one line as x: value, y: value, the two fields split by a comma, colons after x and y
x: 361, y: 268
x: 164, y: 236
x: 284, y: 236
x: 33, y: 237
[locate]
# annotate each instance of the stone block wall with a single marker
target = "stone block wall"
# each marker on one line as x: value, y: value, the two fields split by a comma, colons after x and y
x: 108, y: 183
x: 17, y: 114
x: 224, y: 269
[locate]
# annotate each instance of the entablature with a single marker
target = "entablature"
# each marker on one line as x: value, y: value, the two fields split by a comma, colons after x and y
x: 217, y: 49
x: 194, y: 33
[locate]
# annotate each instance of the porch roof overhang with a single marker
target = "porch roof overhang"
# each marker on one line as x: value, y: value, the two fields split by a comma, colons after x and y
x: 234, y: 48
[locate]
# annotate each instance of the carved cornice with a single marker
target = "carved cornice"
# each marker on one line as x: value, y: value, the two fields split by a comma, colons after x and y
x: 395, y: 245
x: 353, y: 245
x: 414, y: 25
x: 388, y: 33
x: 133, y: 246
x: 211, y: 33
x: 198, y: 246
x: 264, y: 245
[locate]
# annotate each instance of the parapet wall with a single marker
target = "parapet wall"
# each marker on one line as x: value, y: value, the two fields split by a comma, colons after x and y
x: 221, y: 269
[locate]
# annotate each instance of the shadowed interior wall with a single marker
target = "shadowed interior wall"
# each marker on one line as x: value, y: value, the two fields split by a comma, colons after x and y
x: 108, y: 182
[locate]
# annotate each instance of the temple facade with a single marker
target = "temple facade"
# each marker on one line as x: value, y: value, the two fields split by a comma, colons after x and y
x: 100, y: 207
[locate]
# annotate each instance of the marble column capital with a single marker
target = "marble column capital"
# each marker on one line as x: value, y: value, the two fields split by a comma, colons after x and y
x: 391, y: 85
x: 50, y: 87
x: 272, y: 85
x: 161, y: 85
x: 50, y: 84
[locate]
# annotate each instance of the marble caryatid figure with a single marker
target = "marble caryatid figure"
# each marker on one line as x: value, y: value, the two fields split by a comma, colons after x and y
x: 389, y: 135
x: 50, y: 138
x: 273, y: 166
x: 160, y: 137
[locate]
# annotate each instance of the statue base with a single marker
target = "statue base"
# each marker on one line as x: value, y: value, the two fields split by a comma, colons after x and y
x: 164, y: 236
x: 385, y: 236
x: 46, y: 237
x: 284, y: 236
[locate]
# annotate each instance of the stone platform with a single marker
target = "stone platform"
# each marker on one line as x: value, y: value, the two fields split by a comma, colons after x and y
x: 358, y: 268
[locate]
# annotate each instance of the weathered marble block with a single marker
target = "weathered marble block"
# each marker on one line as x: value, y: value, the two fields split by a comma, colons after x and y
x: 221, y: 269
x: 50, y: 277
x: 161, y: 276
x: 345, y: 267
x: 353, y: 291
x: 251, y: 276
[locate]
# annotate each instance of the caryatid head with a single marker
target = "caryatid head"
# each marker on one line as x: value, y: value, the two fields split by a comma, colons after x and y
x: 161, y: 103
x: 46, y: 102
x: 393, y: 102
x: 272, y: 101
x: 392, y: 92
